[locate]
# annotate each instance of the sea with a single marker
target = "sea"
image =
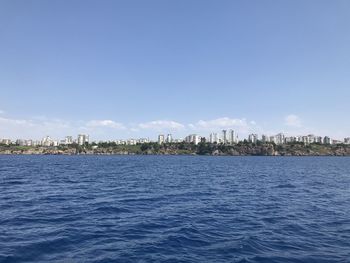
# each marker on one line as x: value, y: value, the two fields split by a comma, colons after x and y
x: 174, y: 209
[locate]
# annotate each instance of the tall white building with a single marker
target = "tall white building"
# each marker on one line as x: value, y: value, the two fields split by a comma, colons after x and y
x: 6, y: 141
x: 290, y: 139
x: 20, y: 142
x: 161, y: 138
x: 224, y: 136
x: 46, y: 141
x: 280, y: 138
x: 311, y: 138
x: 193, y: 138
x: 68, y: 140
x: 131, y: 142
x: 82, y: 139
x: 120, y: 142
x: 143, y: 140
x: 327, y: 140
x: 169, y: 138
x: 273, y: 139
x: 265, y: 138
x: 253, y: 138
x: 232, y: 137
x: 213, y: 138
x: 318, y: 139
x: 299, y: 138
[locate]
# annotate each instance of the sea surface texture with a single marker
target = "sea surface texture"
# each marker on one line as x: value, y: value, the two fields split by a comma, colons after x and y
x: 174, y: 209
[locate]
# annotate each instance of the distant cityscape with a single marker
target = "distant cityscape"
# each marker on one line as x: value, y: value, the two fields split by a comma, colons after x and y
x: 227, y: 137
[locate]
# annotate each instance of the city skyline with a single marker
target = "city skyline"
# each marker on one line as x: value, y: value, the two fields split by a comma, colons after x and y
x: 226, y: 137
x: 125, y: 69
x: 37, y: 128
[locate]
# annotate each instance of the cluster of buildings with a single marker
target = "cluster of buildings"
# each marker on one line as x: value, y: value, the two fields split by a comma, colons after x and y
x: 227, y: 137
x: 306, y: 139
x: 168, y: 139
x: 81, y: 139
x: 230, y: 137
x: 48, y: 141
x: 132, y: 141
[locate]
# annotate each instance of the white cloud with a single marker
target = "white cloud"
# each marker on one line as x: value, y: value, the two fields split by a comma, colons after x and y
x: 15, y: 122
x: 2, y: 112
x: 161, y: 125
x: 292, y: 121
x: 37, y: 127
x: 220, y: 123
x: 105, y: 124
x: 34, y: 129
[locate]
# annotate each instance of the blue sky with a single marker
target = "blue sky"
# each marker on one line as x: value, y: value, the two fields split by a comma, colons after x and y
x: 120, y: 69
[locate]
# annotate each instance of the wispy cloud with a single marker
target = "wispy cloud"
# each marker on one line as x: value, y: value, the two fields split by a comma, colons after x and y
x: 16, y: 122
x: 160, y: 125
x: 292, y: 120
x: 105, y: 124
x: 37, y: 127
x: 219, y: 123
x: 30, y: 128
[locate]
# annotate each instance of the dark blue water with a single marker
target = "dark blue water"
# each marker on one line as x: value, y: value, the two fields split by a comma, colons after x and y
x: 174, y: 209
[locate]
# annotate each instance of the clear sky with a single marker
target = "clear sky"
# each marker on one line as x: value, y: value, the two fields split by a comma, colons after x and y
x: 120, y: 69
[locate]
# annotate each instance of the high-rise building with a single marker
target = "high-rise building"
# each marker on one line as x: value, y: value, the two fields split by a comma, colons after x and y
x: 161, y: 138
x: 280, y: 138
x: 253, y: 138
x: 20, y: 142
x: 120, y: 142
x: 169, y: 138
x: 327, y: 140
x: 290, y: 139
x: 131, y: 142
x: 82, y: 139
x: 224, y: 136
x: 347, y: 140
x: 311, y: 138
x: 273, y: 139
x: 213, y: 138
x: 318, y: 139
x: 193, y: 138
x: 143, y: 140
x: 265, y: 138
x: 68, y: 140
x: 305, y: 139
x: 232, y: 137
x: 6, y: 141
x: 46, y: 141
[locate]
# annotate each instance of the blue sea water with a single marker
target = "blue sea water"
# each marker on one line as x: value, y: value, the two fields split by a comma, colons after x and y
x: 174, y: 209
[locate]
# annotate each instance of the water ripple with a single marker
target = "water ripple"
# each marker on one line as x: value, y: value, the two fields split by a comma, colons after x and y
x: 174, y: 209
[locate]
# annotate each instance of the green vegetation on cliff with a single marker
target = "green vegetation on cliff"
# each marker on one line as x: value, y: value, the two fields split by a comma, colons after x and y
x: 240, y: 149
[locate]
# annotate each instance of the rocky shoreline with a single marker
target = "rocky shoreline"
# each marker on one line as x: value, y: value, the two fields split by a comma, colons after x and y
x: 186, y: 149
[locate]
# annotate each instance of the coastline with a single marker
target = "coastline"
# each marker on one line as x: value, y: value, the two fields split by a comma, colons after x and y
x: 203, y: 149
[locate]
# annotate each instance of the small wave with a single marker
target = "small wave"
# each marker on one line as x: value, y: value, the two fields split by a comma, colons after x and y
x: 285, y: 186
x: 110, y: 210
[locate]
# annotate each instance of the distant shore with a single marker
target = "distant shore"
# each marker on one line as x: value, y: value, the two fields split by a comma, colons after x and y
x: 243, y: 149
